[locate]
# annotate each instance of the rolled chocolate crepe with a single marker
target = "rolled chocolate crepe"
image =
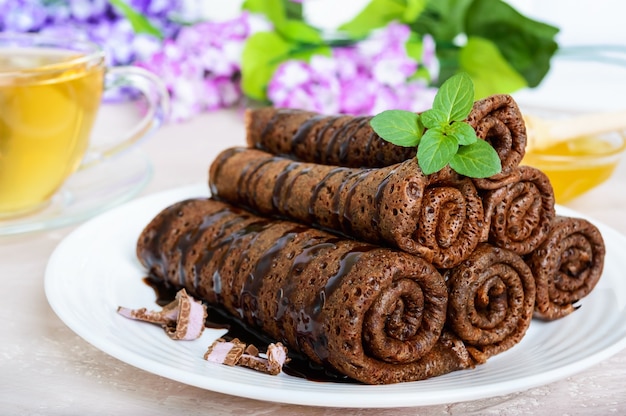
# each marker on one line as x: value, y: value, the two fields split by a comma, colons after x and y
x: 439, y: 217
x: 371, y: 313
x: 519, y: 214
x: 566, y: 266
x: 491, y: 301
x: 350, y: 141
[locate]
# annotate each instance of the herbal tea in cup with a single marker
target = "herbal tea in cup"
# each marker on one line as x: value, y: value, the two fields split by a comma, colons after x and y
x: 50, y: 92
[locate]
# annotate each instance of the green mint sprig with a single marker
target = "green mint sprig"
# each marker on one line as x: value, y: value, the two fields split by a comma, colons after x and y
x: 441, y: 135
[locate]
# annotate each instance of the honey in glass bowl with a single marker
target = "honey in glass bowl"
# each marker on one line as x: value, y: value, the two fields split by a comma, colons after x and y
x: 578, y: 165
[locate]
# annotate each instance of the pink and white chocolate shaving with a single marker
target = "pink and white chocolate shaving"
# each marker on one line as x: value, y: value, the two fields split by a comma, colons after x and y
x: 236, y: 352
x: 225, y: 352
x: 182, y: 319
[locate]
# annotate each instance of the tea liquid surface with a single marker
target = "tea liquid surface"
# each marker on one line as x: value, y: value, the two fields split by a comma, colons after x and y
x: 45, y: 120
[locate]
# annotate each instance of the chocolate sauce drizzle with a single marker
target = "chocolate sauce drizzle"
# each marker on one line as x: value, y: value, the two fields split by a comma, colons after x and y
x: 327, y: 139
x: 298, y: 365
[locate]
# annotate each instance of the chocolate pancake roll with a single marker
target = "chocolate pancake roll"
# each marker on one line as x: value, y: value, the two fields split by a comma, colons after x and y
x: 340, y: 140
x: 439, y: 217
x: 566, y: 266
x: 374, y: 314
x: 491, y: 301
x: 498, y: 120
x: 519, y: 213
x: 351, y: 141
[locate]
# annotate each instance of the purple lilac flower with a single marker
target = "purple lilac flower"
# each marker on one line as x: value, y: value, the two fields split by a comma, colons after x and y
x: 372, y: 76
x: 297, y: 84
x: 429, y: 57
x: 22, y: 15
x: 82, y: 10
x: 95, y: 20
x: 201, y: 66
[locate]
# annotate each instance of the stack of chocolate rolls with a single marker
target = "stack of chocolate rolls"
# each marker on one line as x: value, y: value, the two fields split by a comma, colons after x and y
x: 333, y: 242
x: 518, y: 203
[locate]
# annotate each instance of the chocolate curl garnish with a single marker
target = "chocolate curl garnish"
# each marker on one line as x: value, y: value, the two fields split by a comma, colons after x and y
x: 182, y: 319
x: 519, y: 214
x: 492, y: 297
x: 397, y: 205
x: 225, y: 352
x: 566, y: 266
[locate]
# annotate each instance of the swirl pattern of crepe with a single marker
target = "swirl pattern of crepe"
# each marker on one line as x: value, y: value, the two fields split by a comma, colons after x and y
x: 567, y: 266
x: 519, y: 213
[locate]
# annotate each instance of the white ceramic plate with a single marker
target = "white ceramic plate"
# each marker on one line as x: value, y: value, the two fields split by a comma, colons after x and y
x: 94, y: 270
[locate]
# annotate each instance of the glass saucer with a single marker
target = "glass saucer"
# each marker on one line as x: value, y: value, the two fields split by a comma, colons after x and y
x: 87, y: 193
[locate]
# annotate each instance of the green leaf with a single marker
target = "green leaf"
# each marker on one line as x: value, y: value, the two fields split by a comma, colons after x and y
x: 527, y: 45
x: 455, y: 97
x: 402, y: 128
x: 489, y: 70
x: 300, y: 32
x: 463, y: 132
x: 413, y: 9
x: 274, y: 10
x: 434, y: 118
x: 447, y: 140
x: 286, y: 17
x: 293, y: 10
x: 139, y: 22
x: 477, y: 160
x: 443, y: 19
x: 414, y: 47
x: 377, y: 13
x: 435, y: 151
x: 262, y: 53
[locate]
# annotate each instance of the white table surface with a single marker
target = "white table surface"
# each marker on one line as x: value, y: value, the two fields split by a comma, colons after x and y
x: 46, y: 369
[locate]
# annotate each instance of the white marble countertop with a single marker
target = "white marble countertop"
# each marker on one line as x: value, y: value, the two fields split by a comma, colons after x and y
x: 47, y: 369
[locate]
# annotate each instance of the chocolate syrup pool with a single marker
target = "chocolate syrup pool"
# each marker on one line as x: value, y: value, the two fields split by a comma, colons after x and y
x: 298, y: 366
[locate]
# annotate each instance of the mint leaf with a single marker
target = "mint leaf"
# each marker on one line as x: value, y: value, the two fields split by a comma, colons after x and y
x: 434, y: 118
x: 448, y: 139
x: 400, y: 127
x: 435, y: 151
x: 462, y: 132
x: 477, y: 160
x: 455, y: 97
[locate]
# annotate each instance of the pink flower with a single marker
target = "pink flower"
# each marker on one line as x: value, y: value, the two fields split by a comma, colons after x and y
x: 201, y: 66
x: 297, y: 84
x: 372, y: 76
